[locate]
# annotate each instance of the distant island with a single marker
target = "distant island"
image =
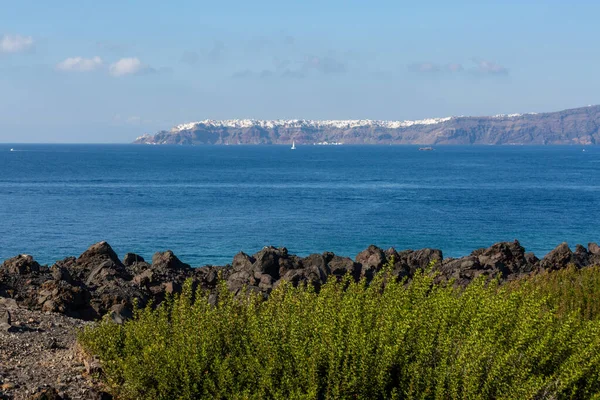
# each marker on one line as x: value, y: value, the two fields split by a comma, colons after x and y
x: 578, y: 126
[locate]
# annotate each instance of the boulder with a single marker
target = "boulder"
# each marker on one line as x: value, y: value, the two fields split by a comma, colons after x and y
x: 316, y: 269
x: 131, y: 259
x: 242, y: 262
x: 209, y: 276
x: 581, y: 257
x: 68, y: 264
x: 423, y: 258
x: 120, y: 313
x: 300, y: 276
x: 96, y: 254
x: 237, y: 280
x: 106, y: 271
x: 531, y: 259
x: 462, y: 270
x: 372, y: 260
x: 265, y: 283
x: 594, y: 249
x: 98, y: 263
x: 290, y: 262
x: 340, y: 266
x: 144, y: 278
x: 60, y: 273
x: 5, y: 321
x: 104, y: 298
x: 64, y: 298
x: 505, y: 258
x: 407, y: 262
x: 171, y: 287
x: 167, y: 261
x: 22, y: 264
x: 267, y: 261
x: 559, y: 258
x: 594, y: 253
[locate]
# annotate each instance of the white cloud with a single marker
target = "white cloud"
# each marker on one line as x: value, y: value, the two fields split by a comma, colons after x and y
x: 15, y: 43
x: 127, y: 66
x: 134, y: 120
x: 80, y: 64
x: 490, y: 67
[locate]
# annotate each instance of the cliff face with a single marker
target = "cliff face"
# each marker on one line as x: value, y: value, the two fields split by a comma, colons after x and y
x: 574, y: 126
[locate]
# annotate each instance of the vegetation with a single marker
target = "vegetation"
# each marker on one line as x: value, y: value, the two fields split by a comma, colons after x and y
x: 537, y: 338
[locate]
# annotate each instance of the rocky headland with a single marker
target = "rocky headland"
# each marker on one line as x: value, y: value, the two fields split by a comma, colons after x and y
x: 578, y: 126
x: 42, y: 307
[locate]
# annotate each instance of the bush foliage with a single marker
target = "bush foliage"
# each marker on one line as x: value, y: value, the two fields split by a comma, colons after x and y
x: 537, y: 338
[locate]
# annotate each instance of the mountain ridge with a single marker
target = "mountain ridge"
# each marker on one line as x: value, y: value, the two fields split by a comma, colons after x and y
x: 578, y: 126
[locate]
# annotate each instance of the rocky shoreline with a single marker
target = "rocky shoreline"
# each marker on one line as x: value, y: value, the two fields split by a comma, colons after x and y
x: 42, y: 307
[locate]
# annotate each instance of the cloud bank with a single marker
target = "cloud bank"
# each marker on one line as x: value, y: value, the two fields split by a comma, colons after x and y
x: 475, y: 68
x: 127, y: 66
x: 80, y: 64
x: 15, y: 43
x: 312, y: 65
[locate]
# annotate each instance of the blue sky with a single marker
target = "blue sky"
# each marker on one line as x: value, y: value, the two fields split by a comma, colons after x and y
x: 108, y: 71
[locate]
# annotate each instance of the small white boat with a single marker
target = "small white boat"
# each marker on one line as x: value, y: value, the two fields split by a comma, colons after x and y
x: 12, y: 149
x: 293, y: 145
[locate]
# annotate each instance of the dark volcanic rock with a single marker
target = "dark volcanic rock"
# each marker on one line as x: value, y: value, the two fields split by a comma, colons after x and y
x: 166, y: 275
x: 372, y: 260
x: 64, y: 298
x: 98, y: 283
x: 407, y: 262
x: 260, y: 271
x: 167, y: 261
x: 242, y: 261
x: 99, y: 263
x: 581, y: 256
x: 594, y: 254
x: 5, y: 320
x: 462, y: 270
x: 505, y: 257
x: 314, y: 270
x: 60, y: 273
x: 131, y: 259
x: 97, y: 254
x: 21, y: 265
x: 558, y: 258
x: 594, y: 249
x: 531, y: 259
x: 46, y: 394
x: 267, y: 261
x: 504, y: 260
x: 104, y: 272
x: 340, y: 266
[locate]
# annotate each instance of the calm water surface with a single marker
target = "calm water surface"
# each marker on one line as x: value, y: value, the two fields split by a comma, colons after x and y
x: 207, y: 203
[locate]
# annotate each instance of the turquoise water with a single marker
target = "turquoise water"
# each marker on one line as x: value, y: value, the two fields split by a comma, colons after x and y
x: 207, y: 203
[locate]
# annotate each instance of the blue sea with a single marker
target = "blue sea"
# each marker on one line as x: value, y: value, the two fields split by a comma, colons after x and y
x: 208, y: 203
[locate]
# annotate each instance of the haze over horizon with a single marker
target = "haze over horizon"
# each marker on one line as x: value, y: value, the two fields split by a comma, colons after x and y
x: 83, y: 72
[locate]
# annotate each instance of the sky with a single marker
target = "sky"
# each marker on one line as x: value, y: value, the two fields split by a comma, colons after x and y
x: 108, y: 71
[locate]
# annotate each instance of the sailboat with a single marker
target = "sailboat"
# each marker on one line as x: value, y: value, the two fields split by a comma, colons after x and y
x: 293, y: 145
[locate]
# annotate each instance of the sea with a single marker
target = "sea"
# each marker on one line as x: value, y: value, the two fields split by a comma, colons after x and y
x: 206, y: 203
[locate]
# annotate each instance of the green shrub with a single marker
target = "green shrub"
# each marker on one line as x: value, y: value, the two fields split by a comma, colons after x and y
x: 569, y: 289
x: 385, y: 340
